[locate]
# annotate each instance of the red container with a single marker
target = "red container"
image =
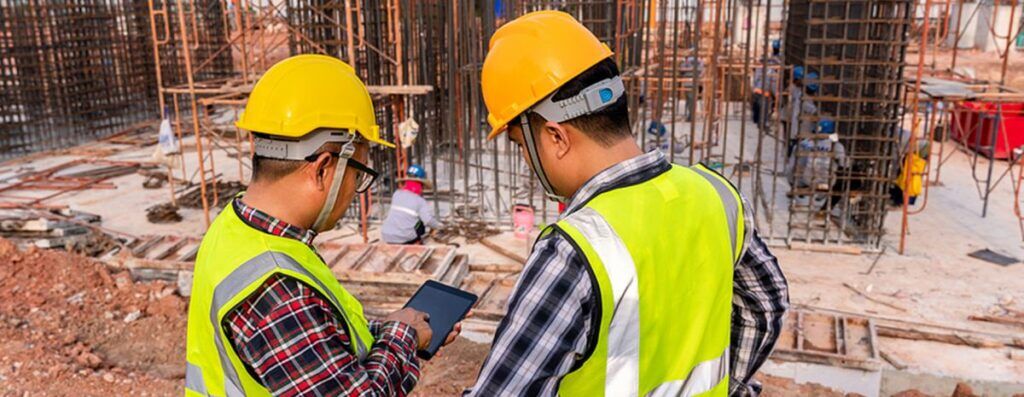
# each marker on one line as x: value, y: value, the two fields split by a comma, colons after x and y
x: 974, y: 123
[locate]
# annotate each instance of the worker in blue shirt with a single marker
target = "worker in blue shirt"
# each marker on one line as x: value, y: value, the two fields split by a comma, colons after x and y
x: 410, y: 214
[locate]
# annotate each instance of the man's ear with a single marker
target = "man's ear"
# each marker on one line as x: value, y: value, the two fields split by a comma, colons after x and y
x: 318, y: 170
x: 558, y: 136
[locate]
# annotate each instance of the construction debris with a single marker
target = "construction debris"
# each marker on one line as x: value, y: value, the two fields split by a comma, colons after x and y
x: 163, y: 213
x: 224, y: 191
x: 57, y: 228
x: 993, y: 257
x: 822, y: 338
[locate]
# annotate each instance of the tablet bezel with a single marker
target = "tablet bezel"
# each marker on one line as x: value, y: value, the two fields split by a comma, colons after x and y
x: 427, y: 354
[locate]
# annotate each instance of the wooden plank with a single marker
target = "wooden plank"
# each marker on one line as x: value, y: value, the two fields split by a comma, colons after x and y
x: 952, y: 338
x: 169, y: 250
x: 457, y: 271
x: 341, y: 253
x: 358, y: 262
x: 893, y: 361
x: 502, y: 250
x: 189, y: 255
x: 835, y: 249
x: 140, y: 251
x: 1006, y: 320
x: 496, y: 268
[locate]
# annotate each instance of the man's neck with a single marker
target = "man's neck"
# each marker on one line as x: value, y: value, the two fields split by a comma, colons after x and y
x: 278, y: 203
x: 603, y: 158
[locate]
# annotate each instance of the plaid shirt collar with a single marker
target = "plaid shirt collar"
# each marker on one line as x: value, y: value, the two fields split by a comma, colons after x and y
x: 630, y: 172
x: 268, y: 224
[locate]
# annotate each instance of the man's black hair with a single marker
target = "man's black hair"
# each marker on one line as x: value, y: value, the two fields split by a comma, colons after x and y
x: 606, y: 126
x: 271, y: 169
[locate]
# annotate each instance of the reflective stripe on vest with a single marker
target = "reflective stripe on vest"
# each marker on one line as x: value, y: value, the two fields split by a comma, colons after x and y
x: 732, y: 206
x: 623, y: 368
x: 704, y: 377
x: 194, y: 379
x: 659, y: 254
x: 246, y: 274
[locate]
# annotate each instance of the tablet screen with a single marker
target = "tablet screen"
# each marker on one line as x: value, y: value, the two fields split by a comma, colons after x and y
x: 445, y: 305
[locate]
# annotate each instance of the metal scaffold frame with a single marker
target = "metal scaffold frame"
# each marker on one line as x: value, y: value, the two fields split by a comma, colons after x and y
x: 687, y: 64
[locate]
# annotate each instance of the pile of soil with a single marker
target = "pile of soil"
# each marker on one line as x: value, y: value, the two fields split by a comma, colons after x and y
x: 70, y: 326
x: 452, y: 370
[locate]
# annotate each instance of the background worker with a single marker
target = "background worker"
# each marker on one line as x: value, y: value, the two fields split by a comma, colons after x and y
x: 765, y: 84
x: 801, y: 107
x: 654, y: 279
x: 410, y: 214
x: 818, y: 161
x: 266, y: 315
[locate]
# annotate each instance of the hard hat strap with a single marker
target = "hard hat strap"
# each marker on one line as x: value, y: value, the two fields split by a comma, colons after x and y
x: 332, y: 193
x: 538, y: 169
x: 594, y: 98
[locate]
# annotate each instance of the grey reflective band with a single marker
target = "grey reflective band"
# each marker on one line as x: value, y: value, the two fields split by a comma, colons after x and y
x: 538, y: 169
x: 732, y: 207
x: 622, y: 374
x: 299, y: 149
x: 332, y: 194
x: 194, y: 379
x: 596, y: 97
x: 405, y: 210
x: 702, y: 378
x: 242, y: 277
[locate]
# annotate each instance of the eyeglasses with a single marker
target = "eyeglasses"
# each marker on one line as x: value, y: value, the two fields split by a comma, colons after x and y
x: 365, y: 177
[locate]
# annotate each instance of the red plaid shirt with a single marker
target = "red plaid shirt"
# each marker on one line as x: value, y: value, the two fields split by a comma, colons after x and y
x: 293, y: 343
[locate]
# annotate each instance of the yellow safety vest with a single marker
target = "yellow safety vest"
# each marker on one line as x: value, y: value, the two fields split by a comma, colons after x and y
x: 233, y: 260
x: 662, y: 253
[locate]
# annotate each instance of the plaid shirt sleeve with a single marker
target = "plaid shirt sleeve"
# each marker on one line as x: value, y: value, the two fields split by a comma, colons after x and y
x: 294, y: 344
x: 547, y: 327
x: 760, y: 299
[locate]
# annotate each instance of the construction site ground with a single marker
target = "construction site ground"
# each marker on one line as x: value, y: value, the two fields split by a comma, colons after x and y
x: 75, y: 325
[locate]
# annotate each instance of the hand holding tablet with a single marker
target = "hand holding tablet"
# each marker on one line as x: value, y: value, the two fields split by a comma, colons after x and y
x: 444, y: 306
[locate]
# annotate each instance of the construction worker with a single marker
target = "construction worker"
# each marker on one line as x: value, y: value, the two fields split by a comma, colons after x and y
x: 801, y: 107
x: 818, y: 159
x: 765, y: 84
x: 654, y: 280
x: 266, y: 315
x: 410, y: 213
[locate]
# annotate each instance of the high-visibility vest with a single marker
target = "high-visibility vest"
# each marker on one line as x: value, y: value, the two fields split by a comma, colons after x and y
x: 662, y: 253
x: 234, y: 259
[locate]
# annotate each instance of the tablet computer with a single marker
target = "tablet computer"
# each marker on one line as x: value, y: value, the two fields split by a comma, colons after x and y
x: 446, y: 306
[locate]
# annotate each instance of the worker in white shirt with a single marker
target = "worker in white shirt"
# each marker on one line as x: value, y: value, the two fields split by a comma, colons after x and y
x: 410, y: 214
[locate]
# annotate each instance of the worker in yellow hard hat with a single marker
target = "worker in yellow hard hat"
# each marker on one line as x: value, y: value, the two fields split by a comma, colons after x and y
x: 267, y: 315
x: 653, y: 281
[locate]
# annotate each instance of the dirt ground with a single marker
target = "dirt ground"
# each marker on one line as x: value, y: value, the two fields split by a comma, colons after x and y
x: 69, y: 326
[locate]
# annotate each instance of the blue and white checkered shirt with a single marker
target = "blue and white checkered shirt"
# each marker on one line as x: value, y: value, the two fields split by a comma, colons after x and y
x: 553, y: 313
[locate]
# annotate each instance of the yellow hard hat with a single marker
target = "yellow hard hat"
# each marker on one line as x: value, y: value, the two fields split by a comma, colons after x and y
x: 531, y: 57
x: 307, y: 92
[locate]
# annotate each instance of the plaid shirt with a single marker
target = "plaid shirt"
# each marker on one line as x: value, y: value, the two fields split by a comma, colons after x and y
x: 289, y: 337
x: 553, y: 314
